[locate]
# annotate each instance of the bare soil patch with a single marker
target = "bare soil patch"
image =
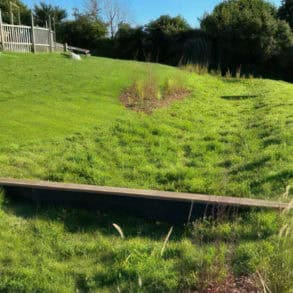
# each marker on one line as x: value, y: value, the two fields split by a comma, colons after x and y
x: 131, y: 99
x: 234, y: 285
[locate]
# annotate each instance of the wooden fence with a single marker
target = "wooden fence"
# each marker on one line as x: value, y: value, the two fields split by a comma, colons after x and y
x: 21, y: 38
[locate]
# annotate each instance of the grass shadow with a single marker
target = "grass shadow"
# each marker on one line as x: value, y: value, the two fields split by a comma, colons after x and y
x: 255, y: 164
x: 240, y: 97
x: 81, y: 219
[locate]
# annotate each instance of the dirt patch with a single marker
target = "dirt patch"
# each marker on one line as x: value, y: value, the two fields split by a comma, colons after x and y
x: 234, y: 285
x: 131, y: 99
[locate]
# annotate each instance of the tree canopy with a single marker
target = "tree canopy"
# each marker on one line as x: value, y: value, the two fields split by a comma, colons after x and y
x: 248, y: 29
x: 43, y: 12
x: 83, y: 31
x: 24, y: 11
x: 168, y: 25
x: 286, y: 11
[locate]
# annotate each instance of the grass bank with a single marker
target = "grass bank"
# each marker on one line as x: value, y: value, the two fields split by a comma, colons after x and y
x: 62, y: 120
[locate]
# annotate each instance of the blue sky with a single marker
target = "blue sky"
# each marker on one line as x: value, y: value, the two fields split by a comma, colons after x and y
x: 142, y: 11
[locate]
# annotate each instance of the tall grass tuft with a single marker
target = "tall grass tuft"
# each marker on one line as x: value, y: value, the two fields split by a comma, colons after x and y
x: 196, y: 68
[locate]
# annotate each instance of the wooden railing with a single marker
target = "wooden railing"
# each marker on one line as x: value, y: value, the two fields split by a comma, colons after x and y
x: 21, y: 38
x: 16, y: 38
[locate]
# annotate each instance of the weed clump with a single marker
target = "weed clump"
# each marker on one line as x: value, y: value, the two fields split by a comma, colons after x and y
x: 146, y: 95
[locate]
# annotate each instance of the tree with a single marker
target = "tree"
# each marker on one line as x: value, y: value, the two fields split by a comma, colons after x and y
x: 286, y: 11
x: 161, y: 33
x: 114, y: 15
x: 246, y: 31
x: 92, y: 9
x: 45, y: 11
x: 130, y: 42
x: 168, y: 25
x: 18, y: 7
x: 83, y: 31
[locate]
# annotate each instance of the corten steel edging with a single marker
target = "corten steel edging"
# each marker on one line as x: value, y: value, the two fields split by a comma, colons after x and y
x: 142, y: 194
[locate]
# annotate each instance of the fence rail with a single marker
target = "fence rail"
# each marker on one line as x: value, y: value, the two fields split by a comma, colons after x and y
x: 16, y: 38
x: 23, y: 38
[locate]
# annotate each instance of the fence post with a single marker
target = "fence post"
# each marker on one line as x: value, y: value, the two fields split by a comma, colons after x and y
x: 2, y: 32
x: 33, y: 34
x: 50, y: 35
x: 54, y: 34
x: 65, y: 47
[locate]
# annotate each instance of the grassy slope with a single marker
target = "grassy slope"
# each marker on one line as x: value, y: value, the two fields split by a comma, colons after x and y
x: 62, y: 120
x: 67, y: 250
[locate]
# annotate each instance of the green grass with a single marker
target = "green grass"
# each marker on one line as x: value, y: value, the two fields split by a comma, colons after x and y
x: 46, y: 249
x: 62, y: 120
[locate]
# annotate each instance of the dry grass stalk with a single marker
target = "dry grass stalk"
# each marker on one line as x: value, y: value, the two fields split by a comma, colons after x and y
x: 139, y: 281
x: 266, y: 289
x: 118, y: 228
x: 166, y: 241
x: 288, y: 208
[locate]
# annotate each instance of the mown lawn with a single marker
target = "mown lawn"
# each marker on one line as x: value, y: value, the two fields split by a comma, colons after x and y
x: 62, y: 120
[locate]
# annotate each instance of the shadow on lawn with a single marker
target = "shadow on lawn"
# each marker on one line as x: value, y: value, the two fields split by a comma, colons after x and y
x: 83, y: 220
x: 237, y: 98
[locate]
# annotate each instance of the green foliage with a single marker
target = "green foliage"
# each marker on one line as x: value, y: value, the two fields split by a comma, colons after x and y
x: 286, y: 11
x: 24, y: 11
x: 43, y: 12
x: 242, y: 25
x: 168, y: 25
x: 83, y: 32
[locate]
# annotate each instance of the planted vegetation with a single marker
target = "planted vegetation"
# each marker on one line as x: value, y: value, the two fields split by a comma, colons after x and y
x: 63, y: 121
x: 146, y: 95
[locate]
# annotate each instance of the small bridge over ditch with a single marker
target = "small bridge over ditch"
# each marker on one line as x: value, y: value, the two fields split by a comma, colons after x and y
x: 167, y: 206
